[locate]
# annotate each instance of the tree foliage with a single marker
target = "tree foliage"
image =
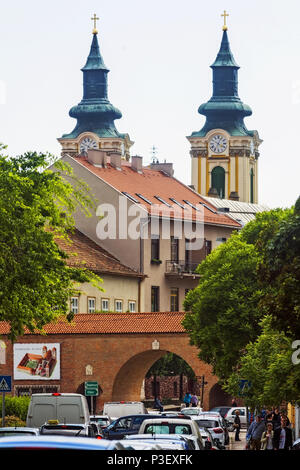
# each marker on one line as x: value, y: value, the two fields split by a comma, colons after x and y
x: 36, y: 206
x: 169, y: 365
x: 248, y: 284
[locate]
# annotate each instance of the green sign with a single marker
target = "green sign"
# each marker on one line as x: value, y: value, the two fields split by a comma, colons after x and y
x: 91, y: 389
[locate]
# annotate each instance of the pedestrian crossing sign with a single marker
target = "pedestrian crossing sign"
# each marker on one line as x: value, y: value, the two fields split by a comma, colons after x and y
x: 5, y: 383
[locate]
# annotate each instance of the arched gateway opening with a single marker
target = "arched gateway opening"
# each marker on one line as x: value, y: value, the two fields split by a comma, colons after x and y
x: 128, y: 383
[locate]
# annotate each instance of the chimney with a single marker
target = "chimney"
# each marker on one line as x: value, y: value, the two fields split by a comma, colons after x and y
x: 213, y: 193
x: 165, y: 167
x: 234, y: 196
x: 97, y: 158
x: 115, y: 159
x: 137, y: 164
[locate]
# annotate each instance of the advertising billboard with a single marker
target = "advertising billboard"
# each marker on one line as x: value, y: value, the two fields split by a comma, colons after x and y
x: 37, y: 361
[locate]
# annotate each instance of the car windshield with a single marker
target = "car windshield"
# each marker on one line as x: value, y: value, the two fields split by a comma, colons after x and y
x: 207, y: 423
x: 64, y: 430
x: 190, y: 411
x: 168, y: 428
x: 16, y: 433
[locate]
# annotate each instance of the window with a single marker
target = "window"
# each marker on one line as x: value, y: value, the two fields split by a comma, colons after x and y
x: 218, y: 180
x: 191, y: 205
x: 74, y: 304
x: 119, y: 306
x: 154, y: 299
x: 155, y: 247
x: 104, y: 305
x: 91, y: 304
x: 176, y: 202
x: 133, y: 199
x: 144, y: 198
x: 160, y: 199
x: 131, y: 306
x: 174, y: 299
x: 208, y: 247
x: 174, y: 249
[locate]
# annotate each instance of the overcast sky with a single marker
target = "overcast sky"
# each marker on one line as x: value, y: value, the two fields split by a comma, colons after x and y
x: 159, y: 54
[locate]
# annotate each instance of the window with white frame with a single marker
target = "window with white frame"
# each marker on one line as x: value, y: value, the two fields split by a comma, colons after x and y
x: 119, y: 306
x: 131, y: 306
x: 91, y: 304
x: 104, y: 305
x: 74, y: 304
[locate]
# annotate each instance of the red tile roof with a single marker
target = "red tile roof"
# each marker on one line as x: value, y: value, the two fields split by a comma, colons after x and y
x: 114, y: 323
x: 151, y: 183
x: 84, y: 253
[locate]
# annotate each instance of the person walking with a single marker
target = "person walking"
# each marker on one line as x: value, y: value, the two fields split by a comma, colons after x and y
x: 158, y: 404
x: 233, y: 403
x: 283, y: 437
x: 267, y: 438
x: 194, y: 400
x: 276, y: 418
x: 237, y: 425
x: 187, y: 399
x: 255, y: 432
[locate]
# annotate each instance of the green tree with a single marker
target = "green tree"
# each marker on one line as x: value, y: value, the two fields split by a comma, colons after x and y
x: 224, y: 311
x: 36, y: 206
x: 171, y: 364
x: 267, y: 364
x: 280, y: 270
x: 222, y: 315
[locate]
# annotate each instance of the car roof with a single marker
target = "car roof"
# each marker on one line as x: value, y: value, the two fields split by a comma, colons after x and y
x: 169, y: 420
x: 18, y: 428
x: 170, y: 437
x: 56, y: 442
x: 138, y: 416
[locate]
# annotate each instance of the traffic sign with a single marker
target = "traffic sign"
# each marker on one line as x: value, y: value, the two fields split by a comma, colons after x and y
x: 5, y: 383
x: 244, y: 386
x: 91, y: 389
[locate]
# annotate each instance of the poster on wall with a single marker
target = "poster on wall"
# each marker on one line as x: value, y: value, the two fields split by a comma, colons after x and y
x: 37, y: 361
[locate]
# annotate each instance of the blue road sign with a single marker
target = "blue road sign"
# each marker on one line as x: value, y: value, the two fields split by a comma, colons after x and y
x: 244, y: 386
x: 5, y: 383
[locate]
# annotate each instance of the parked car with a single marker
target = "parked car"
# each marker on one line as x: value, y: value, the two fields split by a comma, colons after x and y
x: 77, y: 430
x: 64, y: 407
x: 101, y: 421
x: 186, y: 442
x: 152, y: 444
x: 216, y: 425
x: 230, y: 415
x: 117, y: 409
x: 185, y: 427
x: 16, y: 443
x: 193, y: 411
x: 19, y: 431
x: 223, y: 410
x: 208, y: 437
x: 125, y: 425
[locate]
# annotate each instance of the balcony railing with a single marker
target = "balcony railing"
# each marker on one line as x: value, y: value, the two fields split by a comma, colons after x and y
x: 181, y: 267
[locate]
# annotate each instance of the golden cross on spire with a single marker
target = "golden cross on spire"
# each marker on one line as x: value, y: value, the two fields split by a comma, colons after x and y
x: 225, y: 25
x: 95, y: 19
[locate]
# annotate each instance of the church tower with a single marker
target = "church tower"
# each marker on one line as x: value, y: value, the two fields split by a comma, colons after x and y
x: 224, y: 152
x: 95, y: 115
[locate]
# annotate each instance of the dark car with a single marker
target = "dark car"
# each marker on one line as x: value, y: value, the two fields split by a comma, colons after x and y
x: 125, y: 426
x: 222, y: 410
x: 78, y: 430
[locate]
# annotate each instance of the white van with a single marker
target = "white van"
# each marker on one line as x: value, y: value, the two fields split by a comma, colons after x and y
x: 117, y: 409
x: 69, y: 408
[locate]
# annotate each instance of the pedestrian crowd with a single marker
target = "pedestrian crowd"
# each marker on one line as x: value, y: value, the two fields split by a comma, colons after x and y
x: 270, y: 430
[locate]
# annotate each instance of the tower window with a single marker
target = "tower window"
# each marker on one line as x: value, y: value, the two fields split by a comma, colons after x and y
x: 218, y: 180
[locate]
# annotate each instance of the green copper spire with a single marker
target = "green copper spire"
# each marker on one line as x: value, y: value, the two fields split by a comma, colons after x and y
x: 95, y: 113
x: 225, y: 110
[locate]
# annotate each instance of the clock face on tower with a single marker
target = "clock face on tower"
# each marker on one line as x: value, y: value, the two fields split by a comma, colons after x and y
x: 86, y: 144
x: 218, y: 144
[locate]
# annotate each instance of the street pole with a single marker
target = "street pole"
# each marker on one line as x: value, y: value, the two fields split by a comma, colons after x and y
x: 3, y: 409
